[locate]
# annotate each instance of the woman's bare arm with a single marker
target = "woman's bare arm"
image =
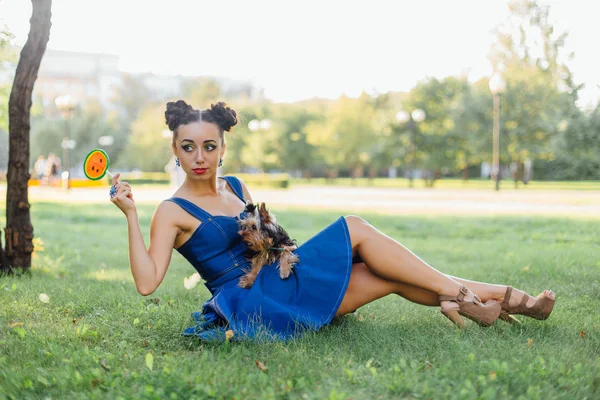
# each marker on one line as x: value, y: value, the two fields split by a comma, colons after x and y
x: 148, y: 267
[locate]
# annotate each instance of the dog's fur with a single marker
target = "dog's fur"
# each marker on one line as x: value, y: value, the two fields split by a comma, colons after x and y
x: 267, y: 243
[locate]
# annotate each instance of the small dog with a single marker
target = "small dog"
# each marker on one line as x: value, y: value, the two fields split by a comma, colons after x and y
x: 267, y: 243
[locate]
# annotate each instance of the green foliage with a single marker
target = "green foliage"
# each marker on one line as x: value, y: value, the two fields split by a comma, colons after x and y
x: 94, y: 337
x: 297, y: 153
x: 576, y: 148
x: 348, y: 137
x: 437, y: 140
x: 147, y: 149
x: 85, y: 127
x: 201, y: 92
x: 345, y: 138
x: 540, y: 88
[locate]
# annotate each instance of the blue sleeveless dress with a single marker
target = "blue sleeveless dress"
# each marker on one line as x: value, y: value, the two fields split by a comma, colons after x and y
x: 272, y: 308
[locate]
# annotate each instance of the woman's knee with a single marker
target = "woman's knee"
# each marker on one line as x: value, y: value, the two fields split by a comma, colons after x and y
x: 358, y: 228
x: 364, y: 287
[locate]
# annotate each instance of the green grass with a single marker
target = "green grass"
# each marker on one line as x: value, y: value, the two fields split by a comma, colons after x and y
x: 452, y: 183
x: 93, y: 338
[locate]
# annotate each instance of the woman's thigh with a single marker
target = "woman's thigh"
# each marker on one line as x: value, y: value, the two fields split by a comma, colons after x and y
x: 363, y: 288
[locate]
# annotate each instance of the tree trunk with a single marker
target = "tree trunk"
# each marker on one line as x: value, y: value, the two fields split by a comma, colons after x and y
x: 19, y: 231
x: 518, y: 173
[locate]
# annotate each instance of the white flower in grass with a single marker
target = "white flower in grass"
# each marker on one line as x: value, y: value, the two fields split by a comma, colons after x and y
x: 192, y: 281
x: 44, y: 298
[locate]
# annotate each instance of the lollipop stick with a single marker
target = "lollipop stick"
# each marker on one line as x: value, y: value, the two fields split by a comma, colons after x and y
x: 109, y: 173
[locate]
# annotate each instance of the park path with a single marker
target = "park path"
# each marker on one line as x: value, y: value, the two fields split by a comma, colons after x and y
x: 564, y: 203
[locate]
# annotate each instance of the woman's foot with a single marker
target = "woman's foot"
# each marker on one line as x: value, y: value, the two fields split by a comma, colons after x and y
x: 467, y: 304
x: 518, y: 302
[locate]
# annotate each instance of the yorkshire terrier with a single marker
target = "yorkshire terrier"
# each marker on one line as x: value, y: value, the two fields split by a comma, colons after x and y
x: 267, y: 243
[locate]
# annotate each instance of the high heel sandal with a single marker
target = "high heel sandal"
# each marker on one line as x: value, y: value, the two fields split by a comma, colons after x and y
x: 541, y: 309
x: 483, y: 314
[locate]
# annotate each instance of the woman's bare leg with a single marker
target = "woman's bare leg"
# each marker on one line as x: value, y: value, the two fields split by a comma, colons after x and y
x: 392, y: 261
x: 365, y: 287
x: 487, y: 291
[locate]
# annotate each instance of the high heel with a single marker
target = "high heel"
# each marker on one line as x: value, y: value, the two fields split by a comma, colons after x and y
x: 483, y: 314
x: 541, y: 309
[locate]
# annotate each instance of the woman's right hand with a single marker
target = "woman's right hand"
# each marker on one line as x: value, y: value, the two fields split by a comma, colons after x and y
x: 123, y: 197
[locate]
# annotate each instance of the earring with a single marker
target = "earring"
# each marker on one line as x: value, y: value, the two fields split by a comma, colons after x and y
x: 177, y: 162
x: 220, y: 162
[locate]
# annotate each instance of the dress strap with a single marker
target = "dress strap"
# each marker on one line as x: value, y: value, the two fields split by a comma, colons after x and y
x: 236, y: 185
x: 191, y: 208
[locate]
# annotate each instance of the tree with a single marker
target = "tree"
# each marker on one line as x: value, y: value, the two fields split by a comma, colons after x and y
x: 297, y: 153
x: 541, y: 91
x: 436, y: 139
x: 344, y: 137
x: 147, y: 149
x: 472, y: 137
x: 87, y: 124
x: 201, y: 92
x: 19, y: 231
x: 576, y: 148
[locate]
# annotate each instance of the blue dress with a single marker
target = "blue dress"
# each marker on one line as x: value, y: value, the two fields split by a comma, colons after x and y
x: 272, y: 308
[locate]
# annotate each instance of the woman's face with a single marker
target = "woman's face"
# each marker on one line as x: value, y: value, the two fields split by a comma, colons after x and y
x: 199, y: 149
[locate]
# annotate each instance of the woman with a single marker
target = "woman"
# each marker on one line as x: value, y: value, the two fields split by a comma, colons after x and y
x: 345, y: 266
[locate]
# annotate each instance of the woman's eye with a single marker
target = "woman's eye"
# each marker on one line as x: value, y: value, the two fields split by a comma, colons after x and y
x: 188, y: 148
x: 210, y: 148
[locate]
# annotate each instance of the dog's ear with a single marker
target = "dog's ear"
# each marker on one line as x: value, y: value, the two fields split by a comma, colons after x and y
x: 264, y: 213
x: 250, y: 207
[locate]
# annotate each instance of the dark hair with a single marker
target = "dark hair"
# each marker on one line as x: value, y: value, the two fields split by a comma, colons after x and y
x: 180, y: 113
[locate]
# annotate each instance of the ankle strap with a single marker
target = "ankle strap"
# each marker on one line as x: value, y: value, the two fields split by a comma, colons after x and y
x: 507, y: 295
x: 461, y: 295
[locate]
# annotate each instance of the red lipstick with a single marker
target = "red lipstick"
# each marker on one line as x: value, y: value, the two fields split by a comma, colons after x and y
x: 199, y: 171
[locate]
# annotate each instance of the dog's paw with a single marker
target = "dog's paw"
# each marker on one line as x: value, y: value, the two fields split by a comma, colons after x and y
x: 246, y: 281
x: 284, y: 273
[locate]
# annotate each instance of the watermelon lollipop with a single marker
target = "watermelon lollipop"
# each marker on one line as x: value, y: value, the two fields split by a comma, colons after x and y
x: 96, y: 165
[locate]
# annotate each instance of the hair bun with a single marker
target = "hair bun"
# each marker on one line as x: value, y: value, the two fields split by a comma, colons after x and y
x: 177, y: 113
x: 224, y: 116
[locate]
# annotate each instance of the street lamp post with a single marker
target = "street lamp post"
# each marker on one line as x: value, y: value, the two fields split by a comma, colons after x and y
x: 416, y: 116
x: 497, y: 87
x: 66, y: 106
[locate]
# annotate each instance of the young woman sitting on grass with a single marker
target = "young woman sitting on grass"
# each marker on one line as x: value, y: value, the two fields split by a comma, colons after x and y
x: 343, y: 267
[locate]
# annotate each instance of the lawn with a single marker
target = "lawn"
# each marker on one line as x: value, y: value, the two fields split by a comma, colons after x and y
x: 98, y: 338
x: 453, y: 183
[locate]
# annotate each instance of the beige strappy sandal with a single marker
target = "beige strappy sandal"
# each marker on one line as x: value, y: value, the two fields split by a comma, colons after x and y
x: 540, y: 310
x: 483, y: 314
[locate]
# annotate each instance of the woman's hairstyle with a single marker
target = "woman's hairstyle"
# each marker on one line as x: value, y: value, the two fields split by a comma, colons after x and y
x: 180, y: 113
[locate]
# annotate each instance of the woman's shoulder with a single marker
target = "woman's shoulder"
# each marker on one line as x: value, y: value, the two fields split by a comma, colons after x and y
x: 239, y: 184
x: 166, y: 208
x: 230, y: 178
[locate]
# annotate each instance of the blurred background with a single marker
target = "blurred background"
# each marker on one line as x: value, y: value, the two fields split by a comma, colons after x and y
x: 401, y: 91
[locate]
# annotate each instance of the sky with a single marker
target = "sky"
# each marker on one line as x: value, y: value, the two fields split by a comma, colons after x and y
x: 305, y: 48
